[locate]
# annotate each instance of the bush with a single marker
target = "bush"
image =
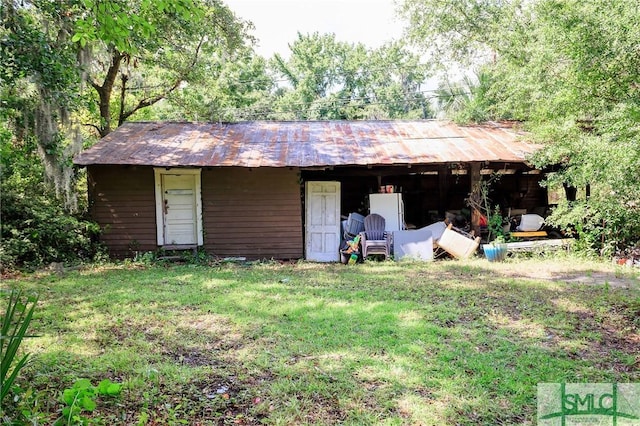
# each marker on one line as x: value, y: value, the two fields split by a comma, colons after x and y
x: 37, y: 231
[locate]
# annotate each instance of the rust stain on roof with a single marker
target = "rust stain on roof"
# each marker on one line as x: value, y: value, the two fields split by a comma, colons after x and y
x: 305, y: 144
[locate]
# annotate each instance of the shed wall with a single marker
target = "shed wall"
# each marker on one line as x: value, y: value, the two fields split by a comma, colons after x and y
x: 122, y: 201
x: 255, y: 213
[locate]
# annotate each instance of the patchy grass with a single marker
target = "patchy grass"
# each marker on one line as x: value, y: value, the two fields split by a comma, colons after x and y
x: 446, y: 342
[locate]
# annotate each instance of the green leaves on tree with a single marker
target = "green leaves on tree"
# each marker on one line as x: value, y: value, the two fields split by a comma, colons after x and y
x: 568, y: 70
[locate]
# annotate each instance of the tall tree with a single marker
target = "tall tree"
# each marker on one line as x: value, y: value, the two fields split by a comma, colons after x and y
x: 329, y: 79
x: 234, y: 89
x: 99, y: 62
x: 145, y: 50
x: 467, y: 100
x: 569, y: 70
x: 39, y: 85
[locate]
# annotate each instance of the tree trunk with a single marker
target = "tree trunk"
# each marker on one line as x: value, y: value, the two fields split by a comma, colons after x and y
x: 104, y: 92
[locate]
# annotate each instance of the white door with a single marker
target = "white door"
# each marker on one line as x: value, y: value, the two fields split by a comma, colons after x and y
x: 322, y: 221
x: 178, y: 209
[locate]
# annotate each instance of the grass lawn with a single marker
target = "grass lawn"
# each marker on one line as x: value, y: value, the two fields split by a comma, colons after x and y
x: 440, y: 343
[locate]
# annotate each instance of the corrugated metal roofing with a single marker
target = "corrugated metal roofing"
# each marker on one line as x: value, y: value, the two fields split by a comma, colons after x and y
x: 305, y: 144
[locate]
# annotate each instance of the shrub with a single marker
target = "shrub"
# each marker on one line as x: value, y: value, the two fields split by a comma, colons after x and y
x: 35, y: 228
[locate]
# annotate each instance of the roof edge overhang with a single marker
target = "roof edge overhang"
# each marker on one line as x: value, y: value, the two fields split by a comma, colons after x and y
x: 493, y: 164
x: 306, y: 144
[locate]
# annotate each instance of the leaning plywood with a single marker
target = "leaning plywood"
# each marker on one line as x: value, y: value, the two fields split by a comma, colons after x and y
x: 416, y: 244
x: 458, y: 245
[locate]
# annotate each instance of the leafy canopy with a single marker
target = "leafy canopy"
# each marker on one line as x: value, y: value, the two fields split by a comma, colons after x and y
x: 569, y: 70
x: 330, y: 79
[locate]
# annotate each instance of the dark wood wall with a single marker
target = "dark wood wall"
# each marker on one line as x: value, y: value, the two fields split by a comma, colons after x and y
x: 255, y: 213
x: 122, y: 201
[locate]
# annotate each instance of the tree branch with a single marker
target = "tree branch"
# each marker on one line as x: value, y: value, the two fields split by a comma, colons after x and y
x: 104, y: 92
x: 97, y: 128
x: 123, y: 94
x: 143, y: 103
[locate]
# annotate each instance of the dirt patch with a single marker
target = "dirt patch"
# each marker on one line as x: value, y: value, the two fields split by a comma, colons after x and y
x: 569, y: 271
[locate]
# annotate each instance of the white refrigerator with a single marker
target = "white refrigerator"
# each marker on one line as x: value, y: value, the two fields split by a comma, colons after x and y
x: 389, y: 206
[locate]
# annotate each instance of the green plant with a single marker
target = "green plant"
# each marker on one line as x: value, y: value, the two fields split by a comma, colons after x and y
x: 36, y: 227
x: 500, y: 239
x: 495, y: 224
x: 36, y: 230
x: 15, y: 322
x: 479, y: 201
x: 82, y: 397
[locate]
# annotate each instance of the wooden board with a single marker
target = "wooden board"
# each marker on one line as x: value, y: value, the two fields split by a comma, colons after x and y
x: 539, y: 244
x: 528, y: 234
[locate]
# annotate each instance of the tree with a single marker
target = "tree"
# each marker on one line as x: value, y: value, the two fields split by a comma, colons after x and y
x: 329, y: 79
x: 39, y: 85
x: 396, y: 79
x: 462, y: 31
x: 70, y: 66
x: 146, y: 50
x: 237, y: 88
x: 97, y: 63
x: 467, y: 101
x: 569, y: 71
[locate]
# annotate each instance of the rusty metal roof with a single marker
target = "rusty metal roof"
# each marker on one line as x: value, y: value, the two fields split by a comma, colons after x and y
x: 305, y: 144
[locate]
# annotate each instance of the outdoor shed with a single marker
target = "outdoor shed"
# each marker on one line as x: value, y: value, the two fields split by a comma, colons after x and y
x: 280, y: 189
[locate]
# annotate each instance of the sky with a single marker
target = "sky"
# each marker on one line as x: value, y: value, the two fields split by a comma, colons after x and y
x: 277, y: 22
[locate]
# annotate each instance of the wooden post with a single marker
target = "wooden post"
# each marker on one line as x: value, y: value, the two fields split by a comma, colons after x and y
x: 475, y: 178
x: 443, y: 188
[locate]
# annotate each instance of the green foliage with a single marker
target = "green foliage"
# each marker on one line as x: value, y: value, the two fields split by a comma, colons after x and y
x: 27, y: 49
x: 458, y: 30
x: 237, y: 88
x: 35, y: 228
x: 329, y: 79
x: 469, y: 101
x: 15, y: 321
x: 73, y: 67
x: 567, y: 71
x: 495, y: 224
x: 175, y: 45
x: 123, y: 24
x: 81, y: 397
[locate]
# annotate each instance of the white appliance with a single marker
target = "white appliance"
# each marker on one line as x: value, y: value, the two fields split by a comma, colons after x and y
x: 389, y: 206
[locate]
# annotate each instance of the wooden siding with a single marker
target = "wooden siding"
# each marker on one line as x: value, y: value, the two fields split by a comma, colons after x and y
x: 255, y: 213
x: 122, y: 201
x: 258, y: 213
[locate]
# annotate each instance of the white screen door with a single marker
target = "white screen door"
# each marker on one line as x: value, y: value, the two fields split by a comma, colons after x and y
x: 322, y: 221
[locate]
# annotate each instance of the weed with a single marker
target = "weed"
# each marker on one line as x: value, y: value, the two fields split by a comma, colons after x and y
x: 81, y: 397
x: 15, y: 322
